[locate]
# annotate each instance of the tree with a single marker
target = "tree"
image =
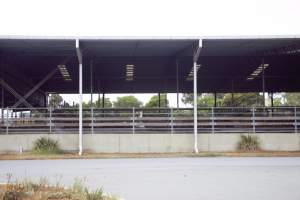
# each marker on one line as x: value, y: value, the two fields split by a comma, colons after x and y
x: 291, y: 99
x: 107, y: 103
x: 127, y: 102
x: 242, y: 100
x: 154, y: 101
x: 204, y: 100
x: 226, y: 100
x: 55, y: 100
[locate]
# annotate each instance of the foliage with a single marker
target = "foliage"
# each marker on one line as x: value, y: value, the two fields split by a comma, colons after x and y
x: 44, y: 191
x: 154, y: 101
x: 46, y: 145
x: 127, y: 102
x: 107, y: 103
x: 242, y: 100
x: 249, y: 143
x: 55, y: 100
x: 291, y: 99
x: 226, y: 100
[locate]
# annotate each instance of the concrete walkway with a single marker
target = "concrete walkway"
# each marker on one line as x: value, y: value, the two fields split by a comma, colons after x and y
x: 173, y: 178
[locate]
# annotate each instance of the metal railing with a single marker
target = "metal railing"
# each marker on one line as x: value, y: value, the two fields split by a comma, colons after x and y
x: 145, y: 120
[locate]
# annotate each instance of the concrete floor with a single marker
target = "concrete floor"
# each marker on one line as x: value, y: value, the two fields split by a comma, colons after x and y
x: 173, y: 178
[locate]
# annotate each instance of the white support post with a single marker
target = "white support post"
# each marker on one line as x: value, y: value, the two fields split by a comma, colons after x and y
x: 92, y: 105
x: 79, y: 55
x: 80, y: 109
x: 195, y: 110
x: 195, y: 59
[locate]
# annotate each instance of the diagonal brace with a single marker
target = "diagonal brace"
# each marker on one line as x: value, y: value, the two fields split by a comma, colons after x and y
x: 35, y: 88
x: 14, y: 93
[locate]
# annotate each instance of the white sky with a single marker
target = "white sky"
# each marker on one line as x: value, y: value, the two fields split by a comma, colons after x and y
x: 149, y: 18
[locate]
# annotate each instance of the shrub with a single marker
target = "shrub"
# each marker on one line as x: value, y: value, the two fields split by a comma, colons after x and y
x: 249, y: 143
x: 46, y: 145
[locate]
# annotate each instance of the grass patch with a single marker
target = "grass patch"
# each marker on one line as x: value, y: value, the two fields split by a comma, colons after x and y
x: 45, y: 145
x: 42, y: 190
x: 249, y: 143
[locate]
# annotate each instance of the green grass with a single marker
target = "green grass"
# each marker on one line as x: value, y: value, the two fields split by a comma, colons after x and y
x: 249, y: 143
x: 45, y: 145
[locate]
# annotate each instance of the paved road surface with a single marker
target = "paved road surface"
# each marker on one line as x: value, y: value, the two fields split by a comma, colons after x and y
x: 173, y: 178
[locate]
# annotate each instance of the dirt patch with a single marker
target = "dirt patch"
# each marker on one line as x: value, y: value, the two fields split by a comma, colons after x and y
x: 88, y: 155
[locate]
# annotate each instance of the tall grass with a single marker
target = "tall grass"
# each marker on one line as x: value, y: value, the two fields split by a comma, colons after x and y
x: 42, y: 190
x: 45, y: 145
x: 249, y: 143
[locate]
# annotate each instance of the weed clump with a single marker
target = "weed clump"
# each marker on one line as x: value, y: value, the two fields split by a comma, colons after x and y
x: 249, y: 143
x: 45, y: 145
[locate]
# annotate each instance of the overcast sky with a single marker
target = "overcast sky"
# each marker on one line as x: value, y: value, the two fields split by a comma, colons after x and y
x: 149, y: 18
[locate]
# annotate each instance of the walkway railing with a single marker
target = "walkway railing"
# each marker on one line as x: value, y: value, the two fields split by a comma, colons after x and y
x: 142, y: 120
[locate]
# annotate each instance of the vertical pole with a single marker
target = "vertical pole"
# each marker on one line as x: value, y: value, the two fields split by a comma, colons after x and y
x: 215, y: 99
x: 7, y: 121
x: 177, y: 83
x: 272, y: 100
x: 2, y: 103
x: 103, y: 98
x: 99, y: 103
x: 133, y: 121
x: 212, y: 120
x: 159, y: 102
x: 195, y: 110
x: 50, y: 119
x: 172, y: 122
x: 263, y: 82
x: 80, y: 108
x: 296, y: 122
x: 253, y: 120
x: 92, y: 105
x: 103, y: 104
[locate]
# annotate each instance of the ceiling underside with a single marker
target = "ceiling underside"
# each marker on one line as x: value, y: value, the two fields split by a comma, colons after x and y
x: 159, y: 64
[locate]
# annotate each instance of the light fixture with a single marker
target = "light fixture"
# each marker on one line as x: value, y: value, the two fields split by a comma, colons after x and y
x: 257, y: 72
x: 64, y: 72
x: 129, y: 72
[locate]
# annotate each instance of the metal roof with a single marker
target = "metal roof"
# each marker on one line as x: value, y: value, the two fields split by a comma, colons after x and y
x: 226, y: 62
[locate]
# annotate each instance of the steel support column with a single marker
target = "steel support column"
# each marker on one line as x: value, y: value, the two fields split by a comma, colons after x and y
x: 79, y: 55
x: 195, y: 59
x: 177, y: 83
x: 92, y: 105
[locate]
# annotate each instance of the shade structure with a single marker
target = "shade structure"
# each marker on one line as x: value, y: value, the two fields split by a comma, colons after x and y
x: 226, y: 63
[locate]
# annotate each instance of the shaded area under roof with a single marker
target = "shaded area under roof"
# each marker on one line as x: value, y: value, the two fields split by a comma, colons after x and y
x: 225, y: 64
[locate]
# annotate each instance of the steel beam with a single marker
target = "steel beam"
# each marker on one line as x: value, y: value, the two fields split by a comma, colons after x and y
x: 79, y: 56
x: 195, y: 60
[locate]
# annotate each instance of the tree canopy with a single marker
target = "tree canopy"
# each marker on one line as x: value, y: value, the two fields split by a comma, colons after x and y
x: 127, y: 102
x: 55, y: 100
x: 154, y: 101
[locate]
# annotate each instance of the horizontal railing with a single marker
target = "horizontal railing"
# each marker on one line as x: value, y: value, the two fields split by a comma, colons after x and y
x: 151, y: 120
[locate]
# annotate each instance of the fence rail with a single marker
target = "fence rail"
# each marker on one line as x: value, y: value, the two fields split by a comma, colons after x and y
x: 142, y: 120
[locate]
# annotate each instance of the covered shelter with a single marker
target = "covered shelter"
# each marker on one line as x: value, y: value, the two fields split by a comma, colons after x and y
x: 33, y: 67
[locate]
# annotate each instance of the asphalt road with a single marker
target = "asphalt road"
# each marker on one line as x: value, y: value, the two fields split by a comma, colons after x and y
x: 172, y: 178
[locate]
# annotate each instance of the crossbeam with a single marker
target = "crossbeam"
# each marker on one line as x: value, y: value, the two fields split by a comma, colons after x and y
x: 35, y: 88
x: 14, y: 93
